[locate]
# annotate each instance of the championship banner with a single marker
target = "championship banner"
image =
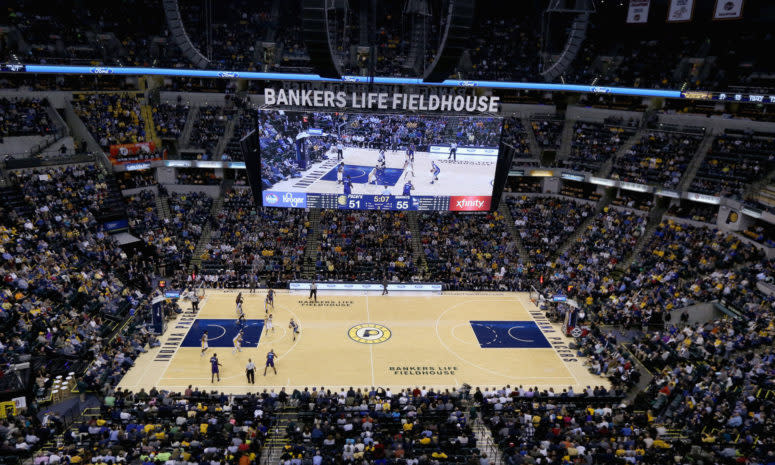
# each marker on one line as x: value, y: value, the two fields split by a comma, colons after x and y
x: 639, y: 11
x: 680, y: 11
x: 132, y: 149
x: 728, y: 9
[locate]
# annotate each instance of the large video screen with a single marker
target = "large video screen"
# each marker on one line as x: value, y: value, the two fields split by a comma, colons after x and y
x: 367, y: 161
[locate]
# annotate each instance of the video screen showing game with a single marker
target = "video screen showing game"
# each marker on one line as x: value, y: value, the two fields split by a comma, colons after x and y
x: 366, y: 161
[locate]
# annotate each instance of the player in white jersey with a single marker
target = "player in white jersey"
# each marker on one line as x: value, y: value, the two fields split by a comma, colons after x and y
x: 373, y: 176
x: 237, y: 343
x: 204, y: 343
x: 340, y: 173
x: 408, y: 167
x: 268, y: 323
x: 294, y: 327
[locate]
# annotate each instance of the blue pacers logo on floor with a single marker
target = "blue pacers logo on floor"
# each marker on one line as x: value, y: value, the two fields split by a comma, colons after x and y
x: 221, y: 333
x: 509, y: 335
x: 360, y: 175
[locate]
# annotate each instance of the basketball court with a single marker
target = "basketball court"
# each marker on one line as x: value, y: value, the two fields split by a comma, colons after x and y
x: 482, y: 339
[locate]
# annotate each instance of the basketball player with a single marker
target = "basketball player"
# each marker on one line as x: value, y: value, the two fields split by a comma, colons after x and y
x: 237, y: 343
x: 408, y: 167
x: 435, y: 170
x: 214, y: 368
x: 239, y: 303
x: 410, y: 153
x: 268, y: 323
x: 295, y: 327
x: 270, y: 361
x: 408, y: 188
x: 269, y: 301
x: 340, y: 173
x: 453, y: 151
x: 241, y: 322
x: 339, y: 151
x: 373, y: 176
x: 348, y: 186
x: 204, y: 343
x: 381, y: 158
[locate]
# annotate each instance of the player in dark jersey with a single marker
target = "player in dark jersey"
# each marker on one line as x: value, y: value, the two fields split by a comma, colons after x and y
x: 408, y: 188
x: 269, y: 301
x: 270, y: 361
x: 214, y: 366
x: 410, y: 153
x: 348, y: 186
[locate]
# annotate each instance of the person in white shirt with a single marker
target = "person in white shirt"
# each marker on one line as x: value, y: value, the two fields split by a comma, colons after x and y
x: 250, y: 371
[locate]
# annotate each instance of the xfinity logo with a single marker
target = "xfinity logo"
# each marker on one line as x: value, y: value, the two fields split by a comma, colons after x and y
x: 470, y: 203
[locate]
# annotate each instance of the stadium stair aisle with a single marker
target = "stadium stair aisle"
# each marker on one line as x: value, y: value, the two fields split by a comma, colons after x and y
x: 278, y: 437
x: 566, y: 138
x: 150, y: 126
x: 185, y: 134
x: 655, y: 218
x: 417, y: 248
x: 602, y: 203
x: 504, y: 210
x: 313, y: 240
x: 163, y: 207
x: 531, y: 138
x: 223, y: 142
x: 606, y: 168
x: 694, y: 165
x: 204, y: 239
x: 484, y: 441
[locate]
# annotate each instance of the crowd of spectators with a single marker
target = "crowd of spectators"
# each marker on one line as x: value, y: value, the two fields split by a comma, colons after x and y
x: 595, y: 143
x: 470, y: 252
x: 135, y: 179
x: 208, y: 128
x: 515, y: 136
x: 365, y: 246
x: 536, y: 220
x: 547, y: 132
x: 170, y: 119
x: 197, y: 176
x: 24, y: 117
x: 733, y: 162
x: 169, y: 427
x: 659, y: 158
x: 174, y: 239
x: 250, y: 245
x: 111, y: 118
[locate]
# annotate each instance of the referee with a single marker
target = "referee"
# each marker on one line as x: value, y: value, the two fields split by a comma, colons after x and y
x: 195, y: 301
x: 313, y: 290
x: 250, y: 371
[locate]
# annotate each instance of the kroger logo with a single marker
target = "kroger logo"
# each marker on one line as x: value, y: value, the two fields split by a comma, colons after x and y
x: 271, y: 199
x: 292, y: 201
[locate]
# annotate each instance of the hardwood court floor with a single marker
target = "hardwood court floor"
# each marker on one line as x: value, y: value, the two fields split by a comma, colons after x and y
x: 486, y: 340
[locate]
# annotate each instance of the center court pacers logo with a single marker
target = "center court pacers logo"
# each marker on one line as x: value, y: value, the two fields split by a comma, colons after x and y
x: 369, y: 333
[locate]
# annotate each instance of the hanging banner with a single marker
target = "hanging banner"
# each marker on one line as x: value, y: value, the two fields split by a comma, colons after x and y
x: 728, y: 9
x: 639, y: 11
x: 680, y: 11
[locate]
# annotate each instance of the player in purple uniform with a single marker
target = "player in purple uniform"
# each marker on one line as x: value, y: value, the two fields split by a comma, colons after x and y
x: 214, y: 365
x: 270, y: 361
